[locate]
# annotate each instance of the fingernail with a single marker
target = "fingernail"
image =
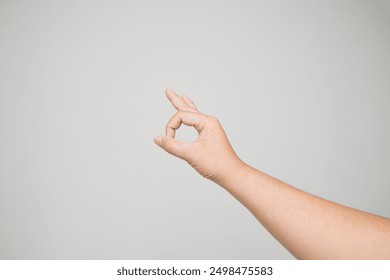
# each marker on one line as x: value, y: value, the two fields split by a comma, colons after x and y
x: 158, y: 140
x: 168, y: 92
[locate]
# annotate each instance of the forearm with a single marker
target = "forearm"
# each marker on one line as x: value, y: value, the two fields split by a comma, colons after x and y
x: 308, y: 226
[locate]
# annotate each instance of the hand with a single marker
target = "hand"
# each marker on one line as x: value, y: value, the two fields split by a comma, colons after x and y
x: 211, y: 153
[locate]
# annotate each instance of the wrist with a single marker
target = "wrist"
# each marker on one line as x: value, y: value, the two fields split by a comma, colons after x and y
x: 232, y: 174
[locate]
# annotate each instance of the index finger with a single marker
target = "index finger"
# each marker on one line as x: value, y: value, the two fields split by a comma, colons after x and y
x: 188, y: 118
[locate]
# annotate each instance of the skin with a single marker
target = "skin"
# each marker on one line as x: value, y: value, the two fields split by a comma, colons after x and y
x: 308, y: 226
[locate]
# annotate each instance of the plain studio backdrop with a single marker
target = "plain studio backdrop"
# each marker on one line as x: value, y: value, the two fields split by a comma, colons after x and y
x: 302, y: 89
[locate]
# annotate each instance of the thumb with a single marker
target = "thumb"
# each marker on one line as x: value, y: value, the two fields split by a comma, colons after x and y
x: 173, y: 146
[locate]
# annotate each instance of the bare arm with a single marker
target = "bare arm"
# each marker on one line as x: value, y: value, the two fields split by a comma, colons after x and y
x: 308, y: 226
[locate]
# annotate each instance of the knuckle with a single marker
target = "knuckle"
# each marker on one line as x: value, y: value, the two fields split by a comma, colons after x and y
x: 213, y: 120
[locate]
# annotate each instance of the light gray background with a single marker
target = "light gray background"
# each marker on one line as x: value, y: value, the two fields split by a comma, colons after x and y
x: 301, y: 87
